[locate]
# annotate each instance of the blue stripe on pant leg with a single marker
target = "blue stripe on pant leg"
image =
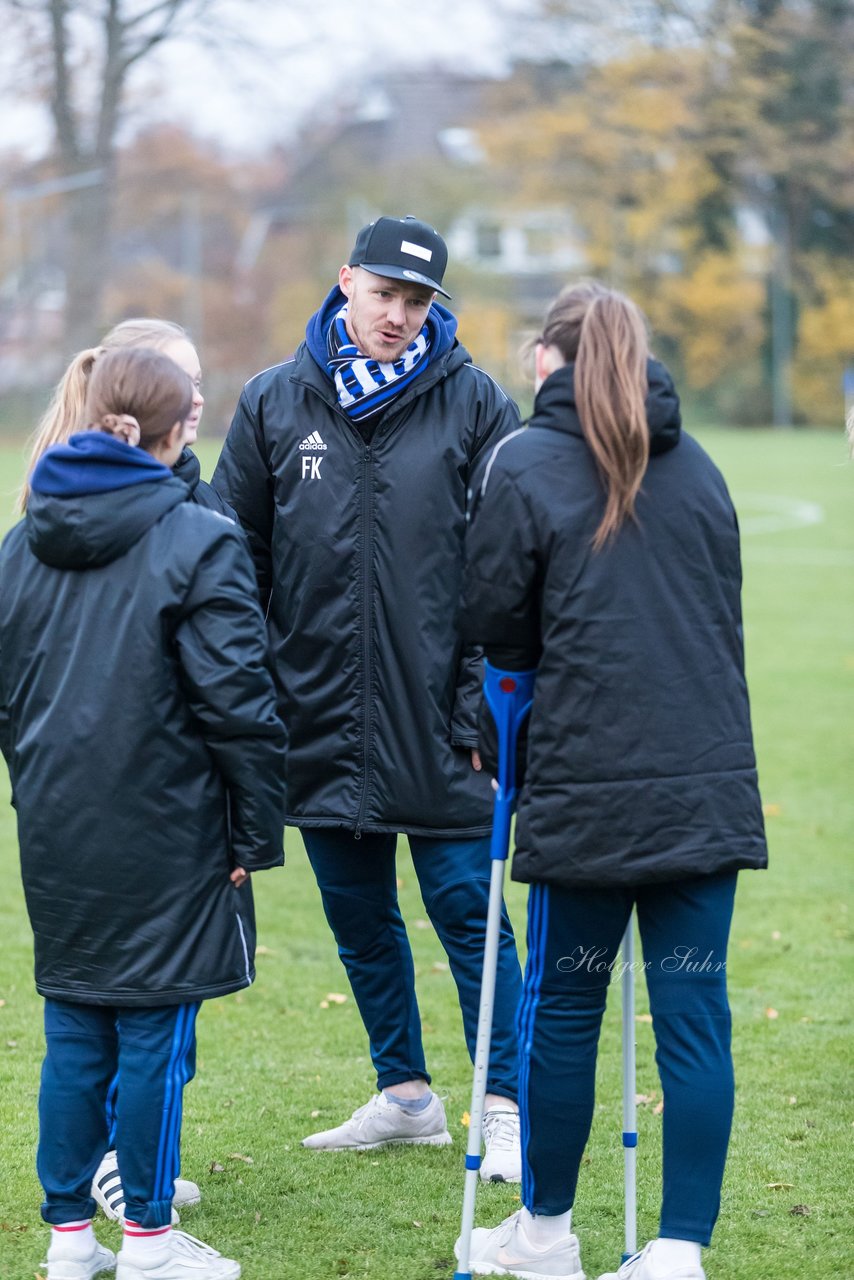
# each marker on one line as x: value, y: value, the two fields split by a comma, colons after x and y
x: 168, y: 1151
x: 169, y: 1086
x: 111, y: 1111
x: 184, y: 1074
x: 538, y: 919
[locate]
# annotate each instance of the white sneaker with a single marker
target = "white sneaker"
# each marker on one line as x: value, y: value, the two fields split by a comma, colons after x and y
x: 380, y: 1123
x: 502, y: 1160
x: 506, y: 1251
x: 109, y: 1194
x: 67, y: 1267
x: 182, y: 1258
x: 640, y: 1266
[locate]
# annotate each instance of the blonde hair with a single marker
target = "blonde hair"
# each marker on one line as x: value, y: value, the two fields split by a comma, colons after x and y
x: 137, y: 394
x: 63, y: 415
x: 605, y: 334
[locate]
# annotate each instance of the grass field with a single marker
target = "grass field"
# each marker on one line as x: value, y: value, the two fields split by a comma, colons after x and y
x: 274, y: 1064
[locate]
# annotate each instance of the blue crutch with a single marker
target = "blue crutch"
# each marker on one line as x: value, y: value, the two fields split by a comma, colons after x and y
x: 509, y: 695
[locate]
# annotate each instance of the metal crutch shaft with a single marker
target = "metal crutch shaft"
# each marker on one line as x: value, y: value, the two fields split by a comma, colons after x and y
x: 630, y: 1136
x: 509, y: 694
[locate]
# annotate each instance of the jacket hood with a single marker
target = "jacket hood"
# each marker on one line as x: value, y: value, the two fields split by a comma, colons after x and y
x: 555, y: 408
x: 94, y: 462
x: 93, y: 498
x: 441, y: 323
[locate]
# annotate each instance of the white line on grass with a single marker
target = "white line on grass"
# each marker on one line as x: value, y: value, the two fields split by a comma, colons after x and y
x: 774, y: 513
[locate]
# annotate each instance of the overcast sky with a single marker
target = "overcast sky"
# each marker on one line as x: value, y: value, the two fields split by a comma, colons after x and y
x: 311, y: 53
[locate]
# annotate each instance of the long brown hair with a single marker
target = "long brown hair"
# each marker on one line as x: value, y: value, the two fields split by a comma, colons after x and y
x: 64, y: 413
x: 137, y: 389
x: 605, y: 334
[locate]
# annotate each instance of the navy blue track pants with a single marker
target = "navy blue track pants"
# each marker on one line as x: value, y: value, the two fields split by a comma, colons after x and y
x: 573, y: 939
x: 358, y: 884
x: 142, y: 1056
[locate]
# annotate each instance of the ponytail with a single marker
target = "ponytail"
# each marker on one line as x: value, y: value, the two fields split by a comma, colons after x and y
x: 62, y: 416
x: 610, y: 395
x: 604, y: 334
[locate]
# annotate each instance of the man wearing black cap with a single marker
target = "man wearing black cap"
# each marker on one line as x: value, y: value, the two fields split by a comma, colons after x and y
x: 348, y: 466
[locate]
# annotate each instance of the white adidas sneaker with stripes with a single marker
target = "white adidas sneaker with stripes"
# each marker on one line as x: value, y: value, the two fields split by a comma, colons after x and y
x: 109, y: 1194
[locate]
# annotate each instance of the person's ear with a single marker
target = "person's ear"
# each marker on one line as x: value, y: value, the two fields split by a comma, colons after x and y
x: 345, y: 280
x: 540, y: 363
x: 547, y: 358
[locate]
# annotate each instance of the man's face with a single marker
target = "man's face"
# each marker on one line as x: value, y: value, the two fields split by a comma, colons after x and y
x: 384, y: 315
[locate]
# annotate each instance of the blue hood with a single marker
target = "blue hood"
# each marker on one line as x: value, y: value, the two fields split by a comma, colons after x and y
x: 94, y: 462
x: 93, y: 498
x: 441, y: 323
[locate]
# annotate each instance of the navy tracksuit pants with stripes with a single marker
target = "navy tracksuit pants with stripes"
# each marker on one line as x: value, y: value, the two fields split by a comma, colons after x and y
x: 152, y: 1053
x: 573, y: 940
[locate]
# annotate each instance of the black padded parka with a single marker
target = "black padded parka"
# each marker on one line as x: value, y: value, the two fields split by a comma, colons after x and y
x: 138, y: 720
x: 359, y: 550
x: 640, y: 763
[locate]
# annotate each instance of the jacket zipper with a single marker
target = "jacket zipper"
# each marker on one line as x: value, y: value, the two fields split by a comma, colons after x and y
x: 367, y: 636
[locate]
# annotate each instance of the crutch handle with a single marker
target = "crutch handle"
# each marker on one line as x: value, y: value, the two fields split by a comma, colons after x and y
x: 509, y: 695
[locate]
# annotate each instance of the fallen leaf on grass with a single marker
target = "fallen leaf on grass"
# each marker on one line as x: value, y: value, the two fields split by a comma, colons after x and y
x: 801, y: 1210
x: 779, y: 1186
x: 2, y: 1004
x: 400, y: 883
x: 315, y: 1114
x: 421, y: 1224
x: 215, y: 1167
x: 761, y: 1213
x: 324, y: 1004
x: 793, y: 1102
x: 645, y: 1099
x: 643, y: 1017
x: 11, y: 1044
x: 439, y: 967
x: 658, y: 1108
x: 264, y: 951
x: 465, y: 1119
x: 776, y: 935
x: 335, y: 997
x: 772, y: 810
x: 235, y: 1155
x: 7, y: 1226
x: 771, y: 1014
x: 257, y: 1215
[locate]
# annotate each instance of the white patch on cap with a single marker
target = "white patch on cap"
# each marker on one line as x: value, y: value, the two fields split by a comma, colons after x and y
x: 415, y: 275
x: 417, y: 251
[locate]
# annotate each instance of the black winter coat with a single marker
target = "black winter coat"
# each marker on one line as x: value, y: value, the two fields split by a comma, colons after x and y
x: 640, y: 758
x: 138, y: 720
x: 360, y: 551
x: 188, y: 469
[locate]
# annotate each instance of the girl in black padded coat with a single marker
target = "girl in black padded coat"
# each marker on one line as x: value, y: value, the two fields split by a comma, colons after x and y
x: 138, y: 720
x: 604, y: 552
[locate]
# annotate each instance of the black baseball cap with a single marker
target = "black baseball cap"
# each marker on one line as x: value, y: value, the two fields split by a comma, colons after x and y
x: 402, y: 249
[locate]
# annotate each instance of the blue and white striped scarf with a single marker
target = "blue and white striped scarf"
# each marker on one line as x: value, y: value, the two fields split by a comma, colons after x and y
x: 367, y: 386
